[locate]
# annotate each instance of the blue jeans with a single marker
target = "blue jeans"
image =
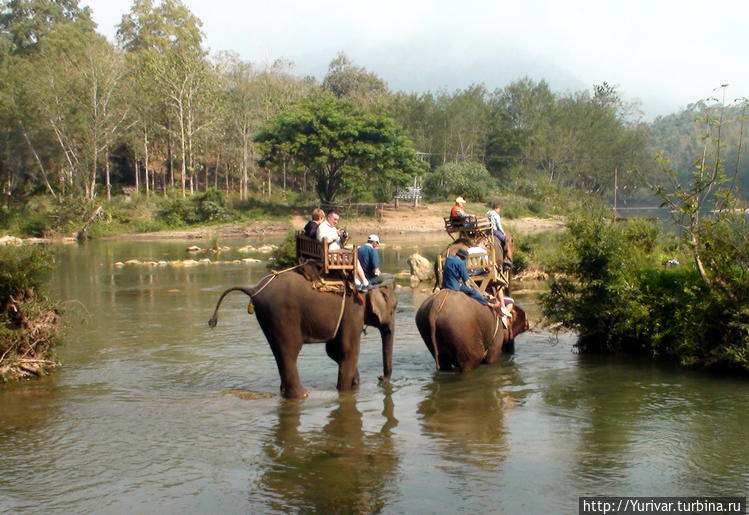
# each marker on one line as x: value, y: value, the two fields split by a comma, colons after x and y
x: 473, y: 293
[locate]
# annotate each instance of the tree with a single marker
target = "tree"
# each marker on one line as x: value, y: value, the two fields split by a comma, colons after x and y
x: 166, y: 41
x: 709, y: 189
x: 340, y: 147
x: 355, y: 83
x: 468, y: 179
x: 28, y: 22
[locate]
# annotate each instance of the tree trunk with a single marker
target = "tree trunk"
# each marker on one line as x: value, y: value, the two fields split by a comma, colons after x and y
x: 109, y: 185
x: 145, y: 166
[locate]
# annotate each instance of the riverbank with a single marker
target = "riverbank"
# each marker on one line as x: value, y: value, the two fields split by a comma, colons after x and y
x: 403, y: 220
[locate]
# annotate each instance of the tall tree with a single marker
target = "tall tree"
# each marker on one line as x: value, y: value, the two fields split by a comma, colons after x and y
x: 28, y: 22
x: 339, y: 146
x: 167, y: 41
x: 346, y: 80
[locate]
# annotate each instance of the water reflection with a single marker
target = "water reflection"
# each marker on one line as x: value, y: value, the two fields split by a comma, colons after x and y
x: 639, y: 422
x: 465, y: 414
x: 338, y: 468
x: 28, y: 406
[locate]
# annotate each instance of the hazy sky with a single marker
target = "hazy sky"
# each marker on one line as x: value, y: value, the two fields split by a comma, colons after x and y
x: 663, y: 53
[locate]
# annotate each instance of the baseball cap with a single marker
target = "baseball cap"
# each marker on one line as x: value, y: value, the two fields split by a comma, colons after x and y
x: 373, y: 237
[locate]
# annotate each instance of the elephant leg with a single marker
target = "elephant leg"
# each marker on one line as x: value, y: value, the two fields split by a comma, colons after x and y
x: 344, y: 350
x: 286, y: 345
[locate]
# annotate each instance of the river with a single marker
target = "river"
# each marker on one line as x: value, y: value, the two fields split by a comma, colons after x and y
x: 142, y: 419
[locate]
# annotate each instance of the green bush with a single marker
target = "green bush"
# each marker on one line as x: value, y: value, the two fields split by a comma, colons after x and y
x: 285, y: 255
x: 22, y: 268
x: 619, y: 298
x: 36, y: 225
x: 209, y: 206
x: 471, y: 180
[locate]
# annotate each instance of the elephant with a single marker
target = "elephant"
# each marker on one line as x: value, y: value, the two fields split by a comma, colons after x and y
x: 462, y: 333
x: 292, y: 312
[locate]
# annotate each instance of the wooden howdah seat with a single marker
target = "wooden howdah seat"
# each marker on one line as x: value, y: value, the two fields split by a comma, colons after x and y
x: 467, y: 227
x: 483, y: 268
x: 330, y: 260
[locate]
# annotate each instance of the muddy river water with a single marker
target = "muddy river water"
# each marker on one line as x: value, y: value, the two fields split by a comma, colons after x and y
x: 142, y: 417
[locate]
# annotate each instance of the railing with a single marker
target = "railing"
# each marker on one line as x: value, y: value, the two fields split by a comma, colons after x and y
x: 470, y: 224
x: 311, y: 249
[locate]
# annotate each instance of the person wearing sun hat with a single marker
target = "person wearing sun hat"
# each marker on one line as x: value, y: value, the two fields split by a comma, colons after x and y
x: 457, y: 214
x: 370, y: 260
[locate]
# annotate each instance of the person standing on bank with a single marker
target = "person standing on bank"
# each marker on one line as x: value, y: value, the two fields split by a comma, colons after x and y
x: 370, y: 259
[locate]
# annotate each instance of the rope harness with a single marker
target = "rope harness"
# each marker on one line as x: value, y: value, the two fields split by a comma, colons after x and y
x: 274, y: 274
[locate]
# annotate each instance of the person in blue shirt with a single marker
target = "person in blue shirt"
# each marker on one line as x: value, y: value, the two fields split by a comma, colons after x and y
x: 370, y: 259
x: 455, y: 277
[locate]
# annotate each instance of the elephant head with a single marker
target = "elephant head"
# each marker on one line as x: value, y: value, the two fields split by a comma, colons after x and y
x: 518, y: 325
x: 380, y: 313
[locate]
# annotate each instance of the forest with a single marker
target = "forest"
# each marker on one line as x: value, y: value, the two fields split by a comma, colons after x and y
x: 82, y: 118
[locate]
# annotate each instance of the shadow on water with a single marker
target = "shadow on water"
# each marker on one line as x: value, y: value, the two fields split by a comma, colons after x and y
x: 337, y: 467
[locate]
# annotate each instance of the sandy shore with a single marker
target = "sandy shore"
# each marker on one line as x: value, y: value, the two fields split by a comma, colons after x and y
x: 402, y: 221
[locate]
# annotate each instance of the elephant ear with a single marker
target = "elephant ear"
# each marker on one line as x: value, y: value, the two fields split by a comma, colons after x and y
x: 380, y: 304
x: 519, y: 321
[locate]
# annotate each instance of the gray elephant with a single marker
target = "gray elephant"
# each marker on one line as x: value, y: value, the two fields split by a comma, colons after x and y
x: 461, y: 333
x: 291, y: 312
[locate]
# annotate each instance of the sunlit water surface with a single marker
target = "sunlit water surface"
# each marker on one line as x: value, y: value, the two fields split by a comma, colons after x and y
x: 140, y: 418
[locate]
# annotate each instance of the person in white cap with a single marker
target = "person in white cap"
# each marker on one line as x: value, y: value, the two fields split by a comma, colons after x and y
x: 457, y: 214
x: 370, y: 260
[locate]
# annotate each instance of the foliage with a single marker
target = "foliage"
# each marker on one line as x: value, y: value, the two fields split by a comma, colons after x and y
x: 338, y: 145
x: 30, y: 325
x: 24, y: 267
x: 681, y: 141
x: 541, y: 249
x: 345, y: 80
x: 209, y: 206
x: 285, y: 255
x: 470, y: 180
x: 619, y: 298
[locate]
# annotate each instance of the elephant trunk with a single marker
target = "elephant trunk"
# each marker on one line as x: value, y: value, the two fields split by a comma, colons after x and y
x: 387, y: 332
x: 214, y: 319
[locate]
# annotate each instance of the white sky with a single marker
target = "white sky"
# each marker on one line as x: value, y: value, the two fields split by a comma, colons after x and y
x: 663, y: 53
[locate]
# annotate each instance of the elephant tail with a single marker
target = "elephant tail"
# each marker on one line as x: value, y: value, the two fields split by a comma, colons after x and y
x: 249, y: 291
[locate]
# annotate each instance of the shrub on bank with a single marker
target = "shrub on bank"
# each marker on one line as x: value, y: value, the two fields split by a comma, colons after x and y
x: 30, y: 324
x: 205, y: 207
x: 620, y: 297
x: 285, y: 255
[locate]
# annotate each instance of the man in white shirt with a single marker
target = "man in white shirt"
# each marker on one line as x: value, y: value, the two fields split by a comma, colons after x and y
x: 328, y: 231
